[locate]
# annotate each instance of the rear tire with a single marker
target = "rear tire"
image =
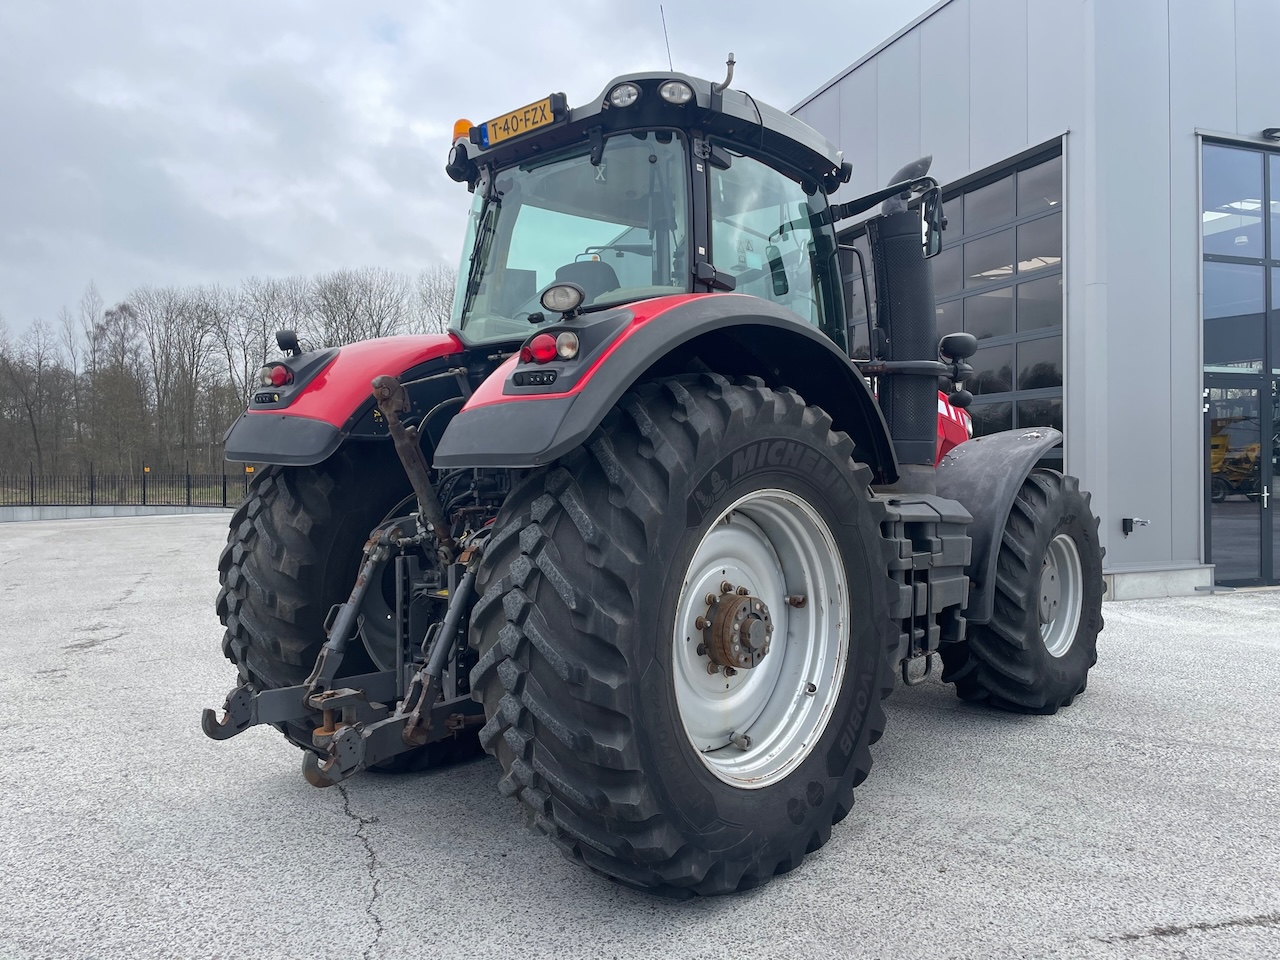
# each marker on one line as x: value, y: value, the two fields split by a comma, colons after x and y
x: 581, y: 636
x: 1035, y: 654
x: 293, y: 550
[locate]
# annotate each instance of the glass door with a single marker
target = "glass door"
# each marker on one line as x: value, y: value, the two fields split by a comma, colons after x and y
x: 1240, y: 288
x: 1271, y: 487
x: 1240, y: 446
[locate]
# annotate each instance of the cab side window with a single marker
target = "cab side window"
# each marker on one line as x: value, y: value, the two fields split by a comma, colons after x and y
x: 763, y: 234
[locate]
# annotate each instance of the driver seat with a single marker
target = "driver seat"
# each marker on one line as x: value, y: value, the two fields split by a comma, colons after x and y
x: 595, y: 277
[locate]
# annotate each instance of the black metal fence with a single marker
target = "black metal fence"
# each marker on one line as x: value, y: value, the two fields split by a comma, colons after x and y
x: 124, y: 489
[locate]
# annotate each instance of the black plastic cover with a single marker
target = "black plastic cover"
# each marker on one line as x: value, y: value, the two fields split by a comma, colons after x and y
x: 280, y: 438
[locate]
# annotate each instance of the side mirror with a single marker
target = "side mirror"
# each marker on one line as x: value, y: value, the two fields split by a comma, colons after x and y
x: 931, y: 222
x: 958, y: 346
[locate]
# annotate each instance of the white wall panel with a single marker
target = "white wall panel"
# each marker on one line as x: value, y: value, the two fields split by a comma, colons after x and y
x: 997, y: 80
x: 823, y: 114
x: 1202, y: 74
x: 944, y: 91
x: 858, y: 120
x: 1257, y: 29
x: 1132, y: 142
x: 1055, y: 67
x: 898, y: 105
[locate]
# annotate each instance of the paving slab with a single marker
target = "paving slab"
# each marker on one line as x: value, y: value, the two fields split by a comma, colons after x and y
x: 1142, y: 822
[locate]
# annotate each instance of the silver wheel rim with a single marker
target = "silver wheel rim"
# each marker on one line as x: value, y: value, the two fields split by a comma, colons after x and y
x: 1061, y: 595
x: 753, y: 728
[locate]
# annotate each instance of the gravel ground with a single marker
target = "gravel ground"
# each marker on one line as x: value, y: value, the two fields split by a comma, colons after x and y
x: 1142, y: 822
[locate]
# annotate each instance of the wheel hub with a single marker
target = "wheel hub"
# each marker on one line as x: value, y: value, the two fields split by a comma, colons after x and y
x: 737, y: 630
x: 760, y: 640
x: 1061, y: 595
x: 1050, y: 591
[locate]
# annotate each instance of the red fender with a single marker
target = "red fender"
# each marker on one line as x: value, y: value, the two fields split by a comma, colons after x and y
x: 304, y: 423
x: 955, y: 426
x: 342, y: 387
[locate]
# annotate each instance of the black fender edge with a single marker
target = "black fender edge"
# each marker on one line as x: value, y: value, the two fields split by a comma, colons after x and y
x: 984, y: 475
x: 280, y: 438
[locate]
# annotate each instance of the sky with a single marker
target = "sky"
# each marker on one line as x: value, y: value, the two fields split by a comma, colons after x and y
x: 147, y: 142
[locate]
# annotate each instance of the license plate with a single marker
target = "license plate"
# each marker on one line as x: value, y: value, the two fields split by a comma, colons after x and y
x: 516, y: 123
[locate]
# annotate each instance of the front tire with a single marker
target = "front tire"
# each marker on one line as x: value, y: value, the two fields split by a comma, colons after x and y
x: 1035, y: 654
x: 589, y: 670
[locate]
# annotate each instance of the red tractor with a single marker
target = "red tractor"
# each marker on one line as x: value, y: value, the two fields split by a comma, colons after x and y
x: 637, y: 525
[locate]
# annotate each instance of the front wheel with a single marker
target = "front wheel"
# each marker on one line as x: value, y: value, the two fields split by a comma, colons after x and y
x: 1035, y: 654
x: 683, y: 636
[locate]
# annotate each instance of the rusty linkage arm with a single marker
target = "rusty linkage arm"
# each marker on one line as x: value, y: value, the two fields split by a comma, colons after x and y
x: 424, y: 688
x: 344, y: 618
x: 360, y: 739
x: 393, y: 400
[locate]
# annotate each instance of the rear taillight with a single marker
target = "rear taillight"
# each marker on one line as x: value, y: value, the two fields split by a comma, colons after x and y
x: 275, y: 375
x: 546, y: 347
x: 541, y: 349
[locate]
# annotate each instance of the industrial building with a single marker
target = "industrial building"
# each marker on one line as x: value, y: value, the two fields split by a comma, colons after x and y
x: 1111, y: 178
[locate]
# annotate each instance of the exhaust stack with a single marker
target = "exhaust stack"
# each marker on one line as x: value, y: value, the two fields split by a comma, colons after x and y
x: 908, y: 327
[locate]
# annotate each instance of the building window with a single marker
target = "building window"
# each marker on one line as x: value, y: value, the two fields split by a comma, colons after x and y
x: 1237, y: 270
x: 999, y: 277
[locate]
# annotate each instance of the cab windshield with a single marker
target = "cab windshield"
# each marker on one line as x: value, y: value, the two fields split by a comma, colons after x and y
x: 618, y: 229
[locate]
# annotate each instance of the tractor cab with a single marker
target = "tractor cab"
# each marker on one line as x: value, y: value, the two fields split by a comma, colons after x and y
x: 664, y: 184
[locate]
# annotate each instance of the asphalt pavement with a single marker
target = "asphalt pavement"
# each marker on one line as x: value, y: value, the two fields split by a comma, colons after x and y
x: 1142, y: 822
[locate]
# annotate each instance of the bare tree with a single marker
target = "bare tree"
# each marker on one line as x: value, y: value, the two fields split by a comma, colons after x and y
x: 73, y: 346
x: 247, y: 337
x: 351, y: 305
x: 120, y: 390
x: 30, y: 367
x: 204, y: 310
x: 158, y: 377
x: 433, y: 302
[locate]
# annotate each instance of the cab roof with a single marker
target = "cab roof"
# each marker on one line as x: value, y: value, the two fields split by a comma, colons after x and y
x: 732, y: 115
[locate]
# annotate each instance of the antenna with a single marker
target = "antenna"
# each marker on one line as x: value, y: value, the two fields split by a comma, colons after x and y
x: 663, y: 14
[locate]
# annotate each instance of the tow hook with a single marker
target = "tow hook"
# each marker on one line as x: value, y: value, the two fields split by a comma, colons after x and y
x: 237, y: 715
x: 341, y: 743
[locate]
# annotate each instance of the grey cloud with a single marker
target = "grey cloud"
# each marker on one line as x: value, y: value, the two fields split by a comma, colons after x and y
x: 144, y: 142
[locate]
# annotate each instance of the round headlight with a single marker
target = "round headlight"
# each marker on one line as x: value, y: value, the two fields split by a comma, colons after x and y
x: 676, y: 91
x: 567, y: 345
x: 624, y: 95
x: 562, y: 297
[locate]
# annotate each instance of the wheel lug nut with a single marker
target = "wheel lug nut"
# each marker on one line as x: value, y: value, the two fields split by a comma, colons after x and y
x: 726, y: 586
x: 710, y: 599
x: 796, y: 600
x: 700, y: 623
x: 713, y: 668
x: 730, y: 672
x: 743, y: 591
x: 702, y: 649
